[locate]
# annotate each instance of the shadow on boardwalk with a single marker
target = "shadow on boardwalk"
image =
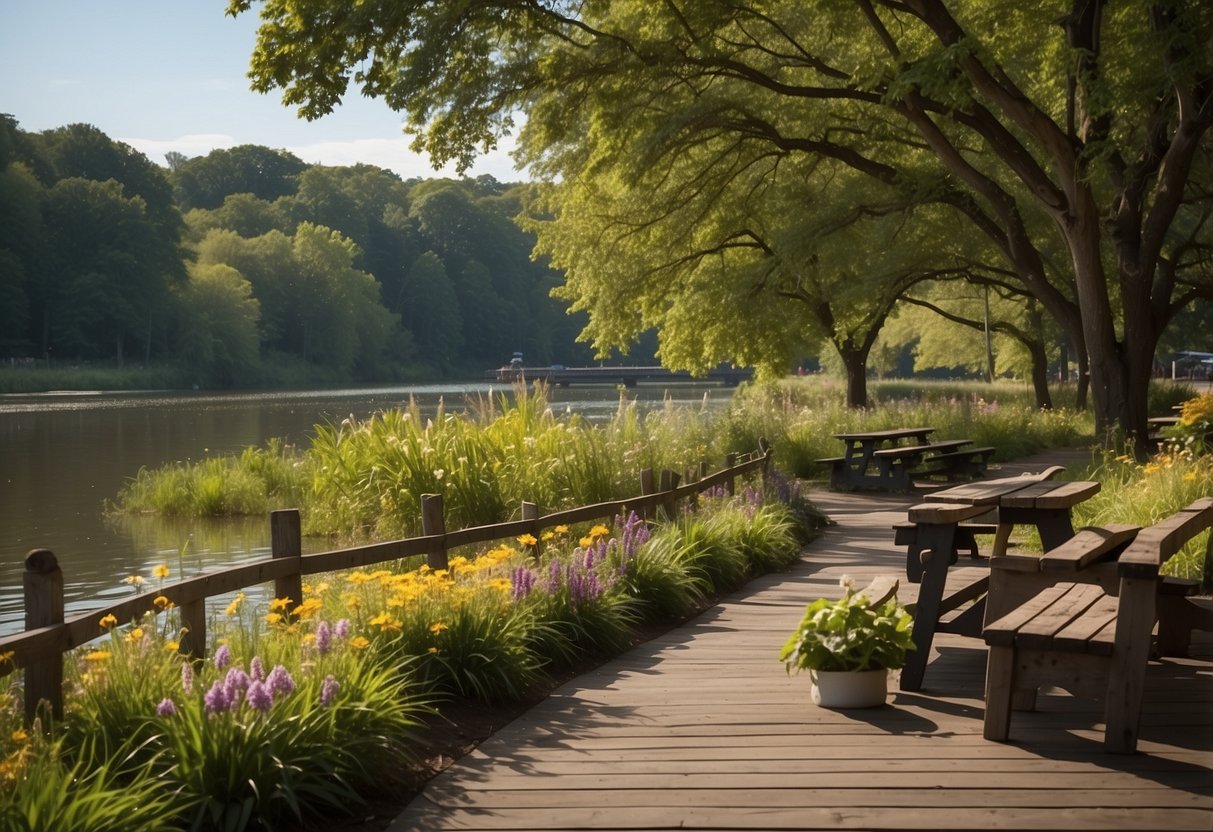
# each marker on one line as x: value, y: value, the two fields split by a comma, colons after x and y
x: 702, y: 729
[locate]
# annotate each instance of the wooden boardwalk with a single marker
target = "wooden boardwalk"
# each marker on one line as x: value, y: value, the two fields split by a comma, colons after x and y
x: 702, y: 729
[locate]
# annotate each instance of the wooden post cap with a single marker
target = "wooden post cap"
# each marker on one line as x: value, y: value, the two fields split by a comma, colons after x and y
x: 41, y: 561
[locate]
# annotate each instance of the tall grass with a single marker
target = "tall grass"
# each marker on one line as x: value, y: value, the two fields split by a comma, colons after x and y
x: 1143, y: 494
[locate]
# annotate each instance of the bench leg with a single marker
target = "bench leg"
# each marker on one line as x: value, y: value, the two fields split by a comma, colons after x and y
x: 938, y: 548
x: 1177, y: 618
x: 1000, y: 682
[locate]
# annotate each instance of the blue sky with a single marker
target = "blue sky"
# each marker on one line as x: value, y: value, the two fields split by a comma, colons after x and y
x: 166, y: 75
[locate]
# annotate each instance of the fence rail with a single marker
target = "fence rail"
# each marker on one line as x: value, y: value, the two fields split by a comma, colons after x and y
x: 49, y: 633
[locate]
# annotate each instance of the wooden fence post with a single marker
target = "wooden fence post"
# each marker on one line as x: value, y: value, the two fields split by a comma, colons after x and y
x: 193, y: 629
x: 646, y: 488
x: 669, y: 481
x: 43, y: 582
x: 434, y: 523
x: 286, y: 541
x: 530, y: 511
x: 730, y: 485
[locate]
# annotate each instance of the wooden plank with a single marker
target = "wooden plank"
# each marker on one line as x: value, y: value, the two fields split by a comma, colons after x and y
x: 1095, y: 631
x: 986, y: 493
x: 1038, y: 632
x: 1002, y: 632
x: 1068, y: 494
x: 1088, y: 545
x: 835, y: 816
x: 940, y: 513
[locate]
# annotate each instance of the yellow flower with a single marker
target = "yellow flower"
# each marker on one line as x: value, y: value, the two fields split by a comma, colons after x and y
x: 97, y: 656
x: 359, y: 643
x: 172, y: 646
x: 135, y: 634
x: 546, y: 536
x: 438, y: 627
x: 385, y: 621
x: 599, y: 531
x: 561, y: 529
x: 160, y: 570
x: 585, y: 542
x: 1190, y: 476
x: 307, y: 609
x: 234, y: 606
x: 7, y: 657
x: 273, y: 618
x: 432, y: 650
x: 162, y: 602
x: 527, y: 539
x: 1150, y: 468
x: 280, y: 604
x: 20, y: 735
x: 108, y: 622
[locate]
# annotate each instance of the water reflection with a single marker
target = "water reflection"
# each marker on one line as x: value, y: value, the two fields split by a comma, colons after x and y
x: 63, y: 455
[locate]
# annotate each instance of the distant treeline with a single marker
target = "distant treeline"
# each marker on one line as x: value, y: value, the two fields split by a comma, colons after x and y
x: 246, y: 261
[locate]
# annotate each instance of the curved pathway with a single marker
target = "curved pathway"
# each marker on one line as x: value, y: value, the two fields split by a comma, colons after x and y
x: 702, y: 729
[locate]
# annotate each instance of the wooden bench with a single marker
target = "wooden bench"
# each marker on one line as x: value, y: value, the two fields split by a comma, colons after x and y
x: 1084, y: 636
x: 967, y: 463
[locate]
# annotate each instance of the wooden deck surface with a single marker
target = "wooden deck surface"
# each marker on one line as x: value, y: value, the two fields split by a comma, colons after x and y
x: 702, y: 729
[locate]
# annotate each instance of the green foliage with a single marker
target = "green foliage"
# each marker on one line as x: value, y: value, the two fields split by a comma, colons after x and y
x: 42, y: 791
x: 1145, y: 493
x: 849, y: 634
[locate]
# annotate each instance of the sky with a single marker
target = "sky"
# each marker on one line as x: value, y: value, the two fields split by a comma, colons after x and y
x: 166, y: 75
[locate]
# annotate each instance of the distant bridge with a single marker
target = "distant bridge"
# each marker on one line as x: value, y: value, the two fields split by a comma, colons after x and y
x: 627, y: 376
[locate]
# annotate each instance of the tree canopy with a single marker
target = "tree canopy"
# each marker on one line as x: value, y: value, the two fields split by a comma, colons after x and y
x: 1072, y: 136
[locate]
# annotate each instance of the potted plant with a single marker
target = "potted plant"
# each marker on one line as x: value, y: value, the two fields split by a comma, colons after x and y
x: 850, y: 645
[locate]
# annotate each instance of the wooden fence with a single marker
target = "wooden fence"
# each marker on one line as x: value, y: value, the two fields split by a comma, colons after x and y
x: 48, y: 634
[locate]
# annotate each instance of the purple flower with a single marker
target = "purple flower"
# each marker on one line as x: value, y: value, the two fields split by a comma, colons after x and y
x: 259, y: 697
x: 223, y: 657
x: 187, y: 678
x: 633, y: 533
x: 523, y: 581
x: 279, y: 681
x: 554, y: 577
x: 256, y: 671
x: 342, y: 630
x: 216, y: 699
x: 166, y: 708
x: 328, y: 690
x: 324, y: 637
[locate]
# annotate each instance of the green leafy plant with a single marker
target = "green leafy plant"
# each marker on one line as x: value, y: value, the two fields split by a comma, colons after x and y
x: 849, y: 635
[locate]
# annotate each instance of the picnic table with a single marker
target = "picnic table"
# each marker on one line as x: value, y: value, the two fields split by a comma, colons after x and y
x: 938, y: 534
x: 886, y: 459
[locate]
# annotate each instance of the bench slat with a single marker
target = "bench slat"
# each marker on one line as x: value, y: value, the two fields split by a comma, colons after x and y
x: 1094, y: 631
x: 1040, y: 630
x: 942, y: 513
x: 1089, y: 545
x: 1001, y: 633
x: 1154, y: 545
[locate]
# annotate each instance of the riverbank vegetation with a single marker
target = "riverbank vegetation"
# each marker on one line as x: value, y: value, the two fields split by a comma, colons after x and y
x: 305, y: 707
x: 362, y: 478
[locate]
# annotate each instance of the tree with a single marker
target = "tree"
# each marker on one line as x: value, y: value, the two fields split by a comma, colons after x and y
x: 217, y: 326
x: 99, y: 289
x: 1084, y: 129
x: 204, y: 181
x: 20, y: 242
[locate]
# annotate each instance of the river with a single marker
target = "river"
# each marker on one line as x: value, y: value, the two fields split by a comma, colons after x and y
x: 63, y: 455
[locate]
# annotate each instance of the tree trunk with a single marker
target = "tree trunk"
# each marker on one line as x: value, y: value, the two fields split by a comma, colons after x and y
x: 855, y: 359
x: 1040, y: 375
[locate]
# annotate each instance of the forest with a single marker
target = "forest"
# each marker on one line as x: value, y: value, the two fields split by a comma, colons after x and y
x: 248, y: 265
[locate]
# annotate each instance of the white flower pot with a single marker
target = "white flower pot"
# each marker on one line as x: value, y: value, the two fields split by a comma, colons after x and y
x: 849, y: 688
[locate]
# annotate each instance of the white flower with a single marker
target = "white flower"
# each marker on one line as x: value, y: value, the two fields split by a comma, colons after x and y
x: 846, y: 582
x: 439, y: 473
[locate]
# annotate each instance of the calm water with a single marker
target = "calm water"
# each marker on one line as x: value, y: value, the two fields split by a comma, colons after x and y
x: 62, y: 456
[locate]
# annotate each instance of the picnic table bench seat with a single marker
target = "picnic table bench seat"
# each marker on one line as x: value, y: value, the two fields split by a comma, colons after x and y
x: 1091, y: 634
x: 878, y: 460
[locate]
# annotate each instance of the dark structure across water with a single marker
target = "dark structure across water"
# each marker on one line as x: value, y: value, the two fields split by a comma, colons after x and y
x: 627, y: 376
